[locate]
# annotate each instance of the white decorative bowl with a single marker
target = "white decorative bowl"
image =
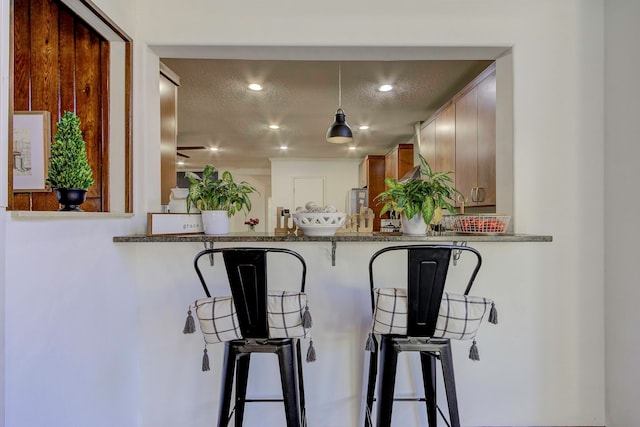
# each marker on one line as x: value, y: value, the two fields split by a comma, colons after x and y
x: 319, y: 224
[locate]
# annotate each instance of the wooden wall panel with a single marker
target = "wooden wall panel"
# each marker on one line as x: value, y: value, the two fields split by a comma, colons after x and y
x: 60, y: 65
x: 88, y: 103
x: 67, y: 63
x: 105, y: 53
x: 44, y: 57
x: 21, y: 202
x: 22, y: 56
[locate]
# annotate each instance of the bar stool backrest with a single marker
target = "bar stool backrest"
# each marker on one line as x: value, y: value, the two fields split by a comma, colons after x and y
x: 247, y: 273
x: 426, y: 277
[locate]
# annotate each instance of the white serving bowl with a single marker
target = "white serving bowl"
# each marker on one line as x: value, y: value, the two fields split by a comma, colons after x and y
x: 319, y: 224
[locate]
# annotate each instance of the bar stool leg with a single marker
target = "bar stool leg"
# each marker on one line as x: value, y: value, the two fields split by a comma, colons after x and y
x: 303, y: 414
x: 371, y: 387
x: 428, y: 362
x: 242, y: 377
x: 228, y: 368
x: 388, y: 366
x: 450, y: 384
x: 288, y: 374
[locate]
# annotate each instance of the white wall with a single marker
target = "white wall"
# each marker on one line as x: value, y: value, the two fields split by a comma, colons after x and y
x: 339, y: 177
x: 258, y: 202
x: 69, y: 304
x: 622, y: 104
x: 124, y: 363
x: 4, y: 133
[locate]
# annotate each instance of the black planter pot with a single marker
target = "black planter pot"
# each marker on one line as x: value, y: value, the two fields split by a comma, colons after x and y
x: 71, y: 198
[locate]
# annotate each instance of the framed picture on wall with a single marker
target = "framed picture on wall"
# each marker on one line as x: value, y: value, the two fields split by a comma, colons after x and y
x: 31, y: 142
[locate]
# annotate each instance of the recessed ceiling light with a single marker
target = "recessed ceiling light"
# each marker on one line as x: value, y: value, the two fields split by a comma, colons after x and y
x: 363, y: 127
x: 352, y: 148
x: 213, y: 149
x: 274, y: 127
x: 181, y: 163
x: 255, y: 86
x: 385, y: 88
x: 283, y: 147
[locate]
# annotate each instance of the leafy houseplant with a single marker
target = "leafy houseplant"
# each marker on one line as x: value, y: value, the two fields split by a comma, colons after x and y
x: 427, y: 195
x: 69, y: 171
x: 222, y: 194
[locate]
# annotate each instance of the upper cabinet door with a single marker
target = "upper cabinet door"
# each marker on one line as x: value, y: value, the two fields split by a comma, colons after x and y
x: 428, y: 143
x: 467, y: 145
x: 476, y: 143
x: 398, y: 161
x: 461, y: 138
x: 446, y: 141
x: 487, y: 140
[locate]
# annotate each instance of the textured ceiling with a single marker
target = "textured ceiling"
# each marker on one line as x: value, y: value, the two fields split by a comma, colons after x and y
x: 216, y: 109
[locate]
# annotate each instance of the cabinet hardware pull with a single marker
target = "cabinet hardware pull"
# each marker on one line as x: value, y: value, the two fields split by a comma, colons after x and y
x: 480, y: 194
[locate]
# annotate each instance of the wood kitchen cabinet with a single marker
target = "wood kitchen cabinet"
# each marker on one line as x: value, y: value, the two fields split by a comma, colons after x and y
x: 372, y: 171
x: 398, y: 161
x: 438, y: 141
x: 445, y: 160
x: 428, y: 143
x: 475, y: 143
x: 461, y: 138
x: 169, y: 82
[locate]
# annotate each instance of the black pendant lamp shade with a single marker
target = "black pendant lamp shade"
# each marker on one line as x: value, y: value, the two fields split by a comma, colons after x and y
x: 339, y: 132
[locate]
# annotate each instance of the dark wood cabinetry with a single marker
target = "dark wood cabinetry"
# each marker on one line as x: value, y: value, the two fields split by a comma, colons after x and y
x: 438, y: 141
x: 476, y: 141
x: 398, y: 161
x: 486, y: 178
x: 169, y: 82
x: 461, y: 138
x: 372, y: 171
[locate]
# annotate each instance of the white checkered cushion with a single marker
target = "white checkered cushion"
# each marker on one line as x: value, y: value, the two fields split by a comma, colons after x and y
x: 459, y: 317
x: 217, y: 318
x: 284, y: 314
x: 219, y: 322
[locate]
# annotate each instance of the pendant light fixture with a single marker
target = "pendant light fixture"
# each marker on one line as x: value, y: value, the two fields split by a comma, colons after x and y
x: 339, y: 132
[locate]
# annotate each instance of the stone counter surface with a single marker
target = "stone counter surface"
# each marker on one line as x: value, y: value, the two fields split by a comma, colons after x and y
x: 346, y: 237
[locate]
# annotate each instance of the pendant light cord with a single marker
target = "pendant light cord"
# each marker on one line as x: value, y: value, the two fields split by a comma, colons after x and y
x: 339, y: 85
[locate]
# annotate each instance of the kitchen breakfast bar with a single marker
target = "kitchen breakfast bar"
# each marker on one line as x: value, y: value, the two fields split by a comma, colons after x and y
x: 338, y: 293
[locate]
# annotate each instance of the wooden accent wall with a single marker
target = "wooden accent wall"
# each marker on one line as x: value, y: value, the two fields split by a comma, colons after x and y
x: 61, y: 64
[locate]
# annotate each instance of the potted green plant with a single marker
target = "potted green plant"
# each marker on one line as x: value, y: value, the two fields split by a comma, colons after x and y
x: 69, y: 170
x: 421, y: 200
x: 217, y: 198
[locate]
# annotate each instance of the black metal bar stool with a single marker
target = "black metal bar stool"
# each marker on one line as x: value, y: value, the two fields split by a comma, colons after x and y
x: 426, y: 277
x: 247, y: 273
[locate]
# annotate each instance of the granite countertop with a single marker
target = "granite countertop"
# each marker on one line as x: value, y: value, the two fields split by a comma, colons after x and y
x: 341, y: 237
x: 458, y: 238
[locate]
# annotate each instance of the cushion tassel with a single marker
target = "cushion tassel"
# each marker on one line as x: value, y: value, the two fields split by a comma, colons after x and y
x: 493, y: 314
x: 311, y: 352
x: 371, y: 344
x: 189, y: 324
x: 205, y: 361
x: 473, y: 351
x: 307, y: 322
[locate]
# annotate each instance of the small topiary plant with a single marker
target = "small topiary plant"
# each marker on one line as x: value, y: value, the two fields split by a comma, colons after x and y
x: 68, y: 164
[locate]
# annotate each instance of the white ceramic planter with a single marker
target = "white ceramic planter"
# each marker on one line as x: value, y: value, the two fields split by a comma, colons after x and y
x: 215, y: 223
x: 414, y: 226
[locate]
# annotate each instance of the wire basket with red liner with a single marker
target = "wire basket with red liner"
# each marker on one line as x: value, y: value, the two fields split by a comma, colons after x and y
x: 477, y: 224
